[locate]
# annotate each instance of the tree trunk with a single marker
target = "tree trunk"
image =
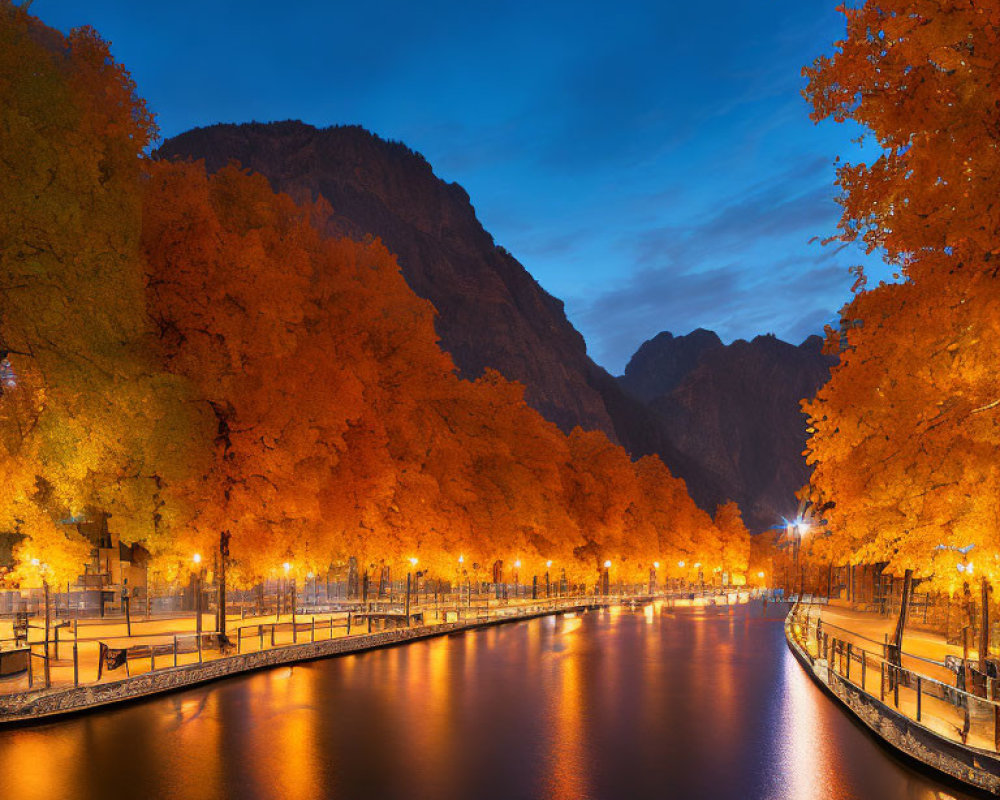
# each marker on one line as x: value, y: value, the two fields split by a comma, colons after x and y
x: 48, y: 622
x: 984, y: 627
x: 223, y: 558
x: 904, y: 607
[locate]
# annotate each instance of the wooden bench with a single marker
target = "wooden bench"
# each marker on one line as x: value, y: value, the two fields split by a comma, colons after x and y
x: 400, y: 618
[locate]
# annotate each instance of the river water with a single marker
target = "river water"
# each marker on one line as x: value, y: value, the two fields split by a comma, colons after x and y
x: 654, y: 703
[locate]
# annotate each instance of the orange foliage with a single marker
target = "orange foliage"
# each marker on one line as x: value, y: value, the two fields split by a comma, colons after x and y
x: 268, y: 383
x: 905, y: 434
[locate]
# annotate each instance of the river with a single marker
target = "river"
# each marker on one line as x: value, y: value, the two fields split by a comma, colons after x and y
x: 654, y: 703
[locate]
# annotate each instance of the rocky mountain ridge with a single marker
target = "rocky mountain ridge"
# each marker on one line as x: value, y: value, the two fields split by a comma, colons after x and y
x: 492, y: 313
x: 734, y: 409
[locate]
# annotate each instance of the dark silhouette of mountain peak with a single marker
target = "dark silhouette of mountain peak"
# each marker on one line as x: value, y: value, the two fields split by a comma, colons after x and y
x: 724, y: 418
x: 735, y: 412
x: 662, y: 362
x: 491, y: 312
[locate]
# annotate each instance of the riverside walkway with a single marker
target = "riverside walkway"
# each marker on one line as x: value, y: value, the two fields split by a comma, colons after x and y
x: 166, y: 653
x: 914, y: 705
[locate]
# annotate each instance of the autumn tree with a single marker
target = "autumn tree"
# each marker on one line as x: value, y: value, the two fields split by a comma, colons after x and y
x: 191, y: 355
x: 905, y: 434
x: 88, y: 419
x: 734, y: 540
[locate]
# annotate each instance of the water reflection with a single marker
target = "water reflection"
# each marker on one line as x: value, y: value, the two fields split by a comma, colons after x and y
x: 652, y: 703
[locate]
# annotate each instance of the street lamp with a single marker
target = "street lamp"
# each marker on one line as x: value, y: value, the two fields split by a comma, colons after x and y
x: 797, y: 530
x: 43, y: 570
x: 606, y: 578
x: 548, y: 583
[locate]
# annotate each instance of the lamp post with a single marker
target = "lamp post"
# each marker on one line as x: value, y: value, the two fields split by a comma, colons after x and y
x: 43, y: 570
x: 517, y: 566
x: 548, y: 584
x: 652, y: 577
x: 606, y: 578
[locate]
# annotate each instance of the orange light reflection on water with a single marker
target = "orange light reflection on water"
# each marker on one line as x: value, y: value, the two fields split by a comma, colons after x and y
x: 807, y: 766
x: 566, y: 772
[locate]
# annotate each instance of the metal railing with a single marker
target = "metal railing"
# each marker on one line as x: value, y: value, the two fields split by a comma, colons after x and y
x: 59, y: 663
x: 950, y: 711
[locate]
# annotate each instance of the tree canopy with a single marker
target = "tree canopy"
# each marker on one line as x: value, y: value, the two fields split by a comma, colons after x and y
x: 188, y: 353
x: 904, y: 435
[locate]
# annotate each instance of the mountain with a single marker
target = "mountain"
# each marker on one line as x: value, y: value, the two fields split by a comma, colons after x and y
x: 662, y: 362
x: 679, y: 398
x: 734, y: 411
x: 491, y: 312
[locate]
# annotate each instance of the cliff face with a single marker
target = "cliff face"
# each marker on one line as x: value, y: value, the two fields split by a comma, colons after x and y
x: 735, y: 413
x: 725, y: 419
x: 491, y: 312
x: 662, y: 362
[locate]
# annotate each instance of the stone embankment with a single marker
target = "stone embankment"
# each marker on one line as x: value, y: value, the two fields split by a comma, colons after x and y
x: 39, y: 705
x: 928, y: 748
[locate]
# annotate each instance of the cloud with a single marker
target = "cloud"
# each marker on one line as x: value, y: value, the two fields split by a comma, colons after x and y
x: 747, y: 268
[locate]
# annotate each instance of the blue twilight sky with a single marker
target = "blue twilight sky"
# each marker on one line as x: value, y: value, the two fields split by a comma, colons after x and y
x: 650, y: 163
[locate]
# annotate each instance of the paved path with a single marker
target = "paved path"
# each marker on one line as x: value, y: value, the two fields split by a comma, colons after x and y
x: 264, y: 632
x: 923, y: 654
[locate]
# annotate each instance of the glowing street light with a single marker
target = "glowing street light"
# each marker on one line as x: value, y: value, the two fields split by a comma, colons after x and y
x: 656, y: 565
x: 286, y: 567
x: 607, y: 565
x: 414, y: 561
x: 680, y: 564
x: 461, y: 559
x: 196, y: 558
x: 548, y: 564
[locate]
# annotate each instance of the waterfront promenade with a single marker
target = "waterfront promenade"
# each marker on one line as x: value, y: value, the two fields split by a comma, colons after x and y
x: 916, y: 704
x: 166, y: 653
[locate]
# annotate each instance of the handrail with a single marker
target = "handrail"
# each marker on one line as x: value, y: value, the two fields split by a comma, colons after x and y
x: 903, y: 653
x: 898, y: 668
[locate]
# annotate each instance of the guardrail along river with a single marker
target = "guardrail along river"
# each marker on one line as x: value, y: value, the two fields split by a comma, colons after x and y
x: 658, y: 703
